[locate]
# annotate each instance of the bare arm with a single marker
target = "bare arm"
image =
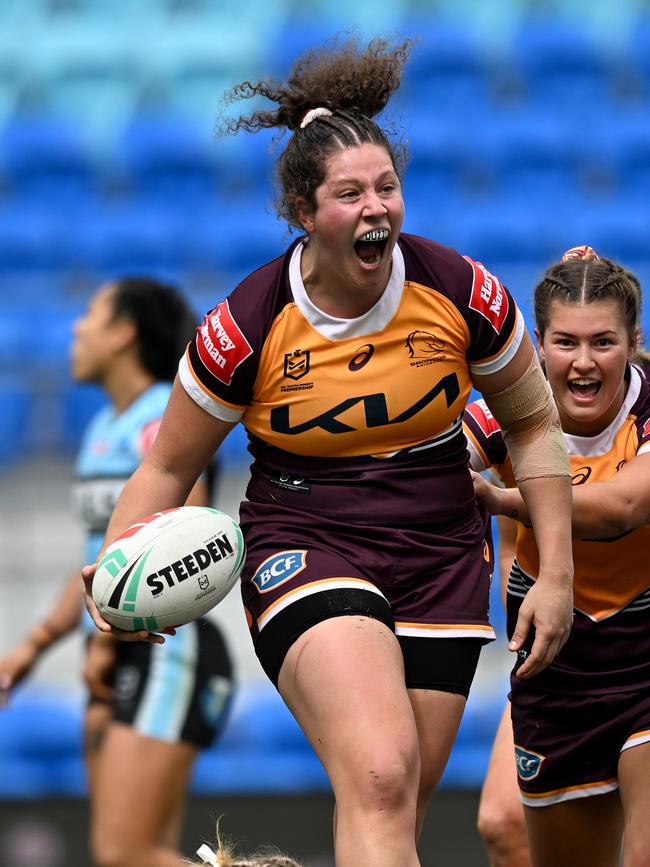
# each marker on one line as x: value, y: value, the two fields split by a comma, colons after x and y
x: 549, y: 604
x: 186, y: 441
x: 507, y: 537
x: 62, y: 618
x: 601, y: 510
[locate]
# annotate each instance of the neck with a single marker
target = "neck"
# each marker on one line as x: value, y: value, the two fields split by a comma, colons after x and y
x: 124, y: 383
x: 334, y: 294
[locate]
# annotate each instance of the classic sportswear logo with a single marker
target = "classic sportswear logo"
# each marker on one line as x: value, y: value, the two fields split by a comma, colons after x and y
x: 279, y: 568
x: 488, y: 297
x: 528, y: 763
x: 221, y: 343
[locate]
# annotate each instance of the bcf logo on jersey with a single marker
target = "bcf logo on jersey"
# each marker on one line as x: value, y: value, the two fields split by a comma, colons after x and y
x: 279, y: 568
x: 528, y: 763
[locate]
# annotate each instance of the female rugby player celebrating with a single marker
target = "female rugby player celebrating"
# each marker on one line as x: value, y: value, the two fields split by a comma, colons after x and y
x: 349, y: 359
x: 582, y: 727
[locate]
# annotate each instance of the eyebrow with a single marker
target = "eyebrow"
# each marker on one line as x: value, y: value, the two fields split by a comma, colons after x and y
x: 598, y: 334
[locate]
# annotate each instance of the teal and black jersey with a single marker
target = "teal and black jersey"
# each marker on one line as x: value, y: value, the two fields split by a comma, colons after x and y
x: 111, y: 450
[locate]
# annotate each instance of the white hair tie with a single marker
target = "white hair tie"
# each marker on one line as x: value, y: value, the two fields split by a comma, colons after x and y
x: 206, y: 855
x: 312, y: 114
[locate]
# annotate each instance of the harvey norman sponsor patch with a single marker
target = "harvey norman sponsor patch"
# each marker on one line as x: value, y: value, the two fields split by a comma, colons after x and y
x: 277, y: 569
x: 221, y: 344
x: 488, y: 296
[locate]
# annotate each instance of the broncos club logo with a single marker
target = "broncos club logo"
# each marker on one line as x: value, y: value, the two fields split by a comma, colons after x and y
x: 422, y: 344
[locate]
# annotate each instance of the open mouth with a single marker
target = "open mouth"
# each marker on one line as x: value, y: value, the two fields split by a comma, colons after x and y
x: 370, y: 247
x: 584, y: 388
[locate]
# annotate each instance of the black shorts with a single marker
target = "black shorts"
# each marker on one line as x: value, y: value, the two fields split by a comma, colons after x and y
x: 429, y: 584
x: 177, y: 691
x: 445, y: 664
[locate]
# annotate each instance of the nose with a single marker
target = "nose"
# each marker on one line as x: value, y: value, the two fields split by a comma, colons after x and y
x: 373, y: 206
x: 583, y: 359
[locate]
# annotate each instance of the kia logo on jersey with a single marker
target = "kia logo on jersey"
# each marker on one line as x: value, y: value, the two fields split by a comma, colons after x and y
x: 296, y: 364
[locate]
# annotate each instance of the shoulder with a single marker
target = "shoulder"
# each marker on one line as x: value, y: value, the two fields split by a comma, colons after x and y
x: 426, y: 261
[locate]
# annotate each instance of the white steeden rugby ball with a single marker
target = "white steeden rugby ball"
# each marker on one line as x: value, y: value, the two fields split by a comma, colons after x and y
x: 169, y: 568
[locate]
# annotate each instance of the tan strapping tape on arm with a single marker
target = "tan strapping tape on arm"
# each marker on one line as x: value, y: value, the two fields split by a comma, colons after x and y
x: 531, y: 428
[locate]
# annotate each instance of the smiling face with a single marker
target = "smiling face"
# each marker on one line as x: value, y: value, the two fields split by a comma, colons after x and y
x: 585, y: 349
x: 353, y: 228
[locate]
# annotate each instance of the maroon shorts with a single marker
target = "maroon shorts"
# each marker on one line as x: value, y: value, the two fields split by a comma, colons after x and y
x: 426, y: 583
x: 568, y: 747
x: 572, y: 721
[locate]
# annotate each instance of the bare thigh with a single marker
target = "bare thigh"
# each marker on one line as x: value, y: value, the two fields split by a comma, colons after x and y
x: 139, y: 791
x: 585, y: 831
x: 437, y: 716
x: 633, y: 775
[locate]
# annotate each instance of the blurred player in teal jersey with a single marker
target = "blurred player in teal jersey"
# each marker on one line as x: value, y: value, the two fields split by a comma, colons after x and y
x: 151, y: 706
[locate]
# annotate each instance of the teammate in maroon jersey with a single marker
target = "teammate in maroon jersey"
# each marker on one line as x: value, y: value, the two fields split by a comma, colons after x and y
x: 350, y: 359
x: 581, y: 727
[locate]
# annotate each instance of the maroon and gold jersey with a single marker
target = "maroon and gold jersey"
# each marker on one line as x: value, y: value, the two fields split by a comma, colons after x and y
x: 611, y: 576
x: 377, y: 399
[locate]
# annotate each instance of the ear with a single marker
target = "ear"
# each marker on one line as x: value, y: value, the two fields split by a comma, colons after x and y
x: 125, y: 333
x: 636, y: 343
x: 540, y: 344
x: 305, y: 214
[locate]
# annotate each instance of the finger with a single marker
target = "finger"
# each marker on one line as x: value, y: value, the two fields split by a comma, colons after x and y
x: 540, y: 656
x: 522, y: 628
x: 142, y: 635
x: 88, y: 573
x: 101, y: 624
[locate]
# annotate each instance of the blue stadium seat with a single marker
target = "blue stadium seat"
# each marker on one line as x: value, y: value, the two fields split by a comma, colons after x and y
x: 45, y: 161
x: 15, y: 405
x: 561, y: 63
x: 167, y: 159
x: 132, y: 237
x: 79, y: 405
x: 32, y: 239
x: 234, y: 240
x: 446, y: 70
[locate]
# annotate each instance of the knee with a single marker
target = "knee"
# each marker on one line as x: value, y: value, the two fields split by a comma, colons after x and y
x: 387, y: 783
x: 502, y: 828
x: 114, y: 853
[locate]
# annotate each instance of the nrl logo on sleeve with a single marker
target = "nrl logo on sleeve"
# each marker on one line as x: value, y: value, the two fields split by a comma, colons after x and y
x: 528, y: 763
x: 221, y: 343
x: 279, y: 568
x: 488, y: 296
x: 646, y: 429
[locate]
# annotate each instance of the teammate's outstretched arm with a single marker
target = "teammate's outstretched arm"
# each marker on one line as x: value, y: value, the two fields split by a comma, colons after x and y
x: 601, y: 510
x: 520, y: 400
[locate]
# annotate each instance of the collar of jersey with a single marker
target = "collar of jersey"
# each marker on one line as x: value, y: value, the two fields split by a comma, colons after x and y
x: 376, y: 319
x: 603, y: 442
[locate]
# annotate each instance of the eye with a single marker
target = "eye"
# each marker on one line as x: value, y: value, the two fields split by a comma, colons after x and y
x: 604, y: 341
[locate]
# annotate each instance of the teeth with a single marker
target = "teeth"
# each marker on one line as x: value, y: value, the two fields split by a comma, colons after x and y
x: 375, y: 235
x: 584, y: 381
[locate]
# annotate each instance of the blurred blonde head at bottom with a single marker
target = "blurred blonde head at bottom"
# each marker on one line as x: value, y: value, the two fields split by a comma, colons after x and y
x: 225, y: 856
